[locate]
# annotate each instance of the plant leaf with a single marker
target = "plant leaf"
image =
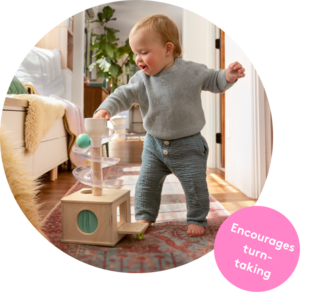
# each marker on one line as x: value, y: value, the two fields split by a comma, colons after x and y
x: 91, y: 66
x: 118, y: 54
x: 101, y: 45
x: 111, y: 29
x: 132, y: 58
x: 100, y: 16
x: 94, y: 45
x: 104, y: 65
x: 107, y: 76
x: 111, y: 36
x: 99, y: 74
x: 109, y: 49
x: 115, y: 70
x: 108, y: 59
x: 124, y: 49
x: 107, y: 13
x: 114, y: 86
x: 99, y: 38
x: 121, y: 51
x: 103, y: 74
x: 96, y: 55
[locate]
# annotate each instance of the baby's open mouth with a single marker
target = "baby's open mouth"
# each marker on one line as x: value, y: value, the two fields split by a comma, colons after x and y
x: 143, y: 67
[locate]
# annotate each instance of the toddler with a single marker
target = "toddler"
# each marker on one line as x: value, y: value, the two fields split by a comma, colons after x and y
x: 168, y: 91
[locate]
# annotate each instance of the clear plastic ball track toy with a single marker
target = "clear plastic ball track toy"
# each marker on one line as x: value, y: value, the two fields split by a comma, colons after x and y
x: 90, y: 216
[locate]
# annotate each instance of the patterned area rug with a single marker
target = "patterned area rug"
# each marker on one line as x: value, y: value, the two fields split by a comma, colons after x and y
x: 164, y: 246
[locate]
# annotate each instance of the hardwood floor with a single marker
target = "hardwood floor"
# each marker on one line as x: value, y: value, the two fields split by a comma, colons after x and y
x: 130, y: 152
x: 230, y: 197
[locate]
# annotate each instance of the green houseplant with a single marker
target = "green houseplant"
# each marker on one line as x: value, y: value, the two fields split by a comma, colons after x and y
x: 107, y: 51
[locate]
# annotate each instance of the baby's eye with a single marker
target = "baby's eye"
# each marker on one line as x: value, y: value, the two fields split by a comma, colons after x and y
x: 144, y: 53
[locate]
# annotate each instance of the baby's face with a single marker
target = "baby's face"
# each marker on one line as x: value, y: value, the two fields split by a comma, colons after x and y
x: 151, y: 55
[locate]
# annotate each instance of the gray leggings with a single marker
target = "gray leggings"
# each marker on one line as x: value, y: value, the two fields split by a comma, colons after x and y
x: 187, y: 159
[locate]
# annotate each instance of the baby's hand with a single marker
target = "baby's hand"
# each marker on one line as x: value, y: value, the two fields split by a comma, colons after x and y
x: 234, y: 72
x: 102, y: 113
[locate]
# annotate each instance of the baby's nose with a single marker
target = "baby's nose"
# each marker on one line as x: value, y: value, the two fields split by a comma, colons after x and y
x: 138, y: 59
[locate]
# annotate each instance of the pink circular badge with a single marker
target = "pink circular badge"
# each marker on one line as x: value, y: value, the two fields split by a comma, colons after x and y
x: 256, y: 249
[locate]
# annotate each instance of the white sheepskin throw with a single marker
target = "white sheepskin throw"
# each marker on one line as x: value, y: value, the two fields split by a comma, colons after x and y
x: 24, y: 188
x: 41, y: 114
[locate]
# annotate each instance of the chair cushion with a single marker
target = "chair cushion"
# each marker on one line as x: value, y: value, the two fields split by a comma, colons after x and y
x: 16, y: 87
x: 42, y: 69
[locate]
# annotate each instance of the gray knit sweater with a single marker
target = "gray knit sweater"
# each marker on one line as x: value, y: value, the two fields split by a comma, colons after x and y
x: 170, y: 102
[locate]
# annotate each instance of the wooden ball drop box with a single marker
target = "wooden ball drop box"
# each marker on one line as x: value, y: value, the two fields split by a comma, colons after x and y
x: 110, y: 229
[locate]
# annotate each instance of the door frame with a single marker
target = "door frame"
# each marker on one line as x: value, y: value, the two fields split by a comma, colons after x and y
x: 222, y: 98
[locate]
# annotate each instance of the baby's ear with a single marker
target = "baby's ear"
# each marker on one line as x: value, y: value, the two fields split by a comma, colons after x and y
x: 169, y: 48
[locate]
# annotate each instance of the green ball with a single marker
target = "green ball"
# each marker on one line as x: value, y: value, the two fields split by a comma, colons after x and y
x: 83, y: 141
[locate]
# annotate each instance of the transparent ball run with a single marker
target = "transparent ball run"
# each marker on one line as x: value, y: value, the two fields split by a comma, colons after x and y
x: 84, y: 173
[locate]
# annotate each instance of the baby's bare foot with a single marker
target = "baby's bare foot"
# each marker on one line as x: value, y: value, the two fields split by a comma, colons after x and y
x: 144, y: 221
x: 195, y: 230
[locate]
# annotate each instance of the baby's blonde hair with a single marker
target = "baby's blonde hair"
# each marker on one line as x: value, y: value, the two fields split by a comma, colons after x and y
x: 164, y: 27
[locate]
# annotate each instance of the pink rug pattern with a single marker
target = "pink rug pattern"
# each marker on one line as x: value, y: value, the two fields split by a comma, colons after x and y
x: 164, y: 246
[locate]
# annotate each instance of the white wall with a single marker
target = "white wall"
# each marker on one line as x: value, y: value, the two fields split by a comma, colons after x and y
x: 245, y: 152
x: 268, y: 132
x: 239, y: 159
x: 128, y: 13
x: 77, y: 94
x: 198, y: 41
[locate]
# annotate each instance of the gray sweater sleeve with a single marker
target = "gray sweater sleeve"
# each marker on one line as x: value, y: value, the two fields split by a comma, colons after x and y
x: 123, y: 97
x: 215, y: 81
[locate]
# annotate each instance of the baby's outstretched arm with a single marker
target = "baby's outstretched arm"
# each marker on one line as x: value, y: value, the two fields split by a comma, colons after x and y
x: 102, y: 113
x: 234, y: 71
